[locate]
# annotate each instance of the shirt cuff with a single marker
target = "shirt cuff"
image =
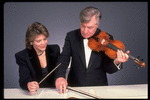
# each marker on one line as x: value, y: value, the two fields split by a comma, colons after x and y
x: 118, y: 66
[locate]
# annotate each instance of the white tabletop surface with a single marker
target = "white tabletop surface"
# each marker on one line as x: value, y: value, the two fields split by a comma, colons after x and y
x: 115, y: 91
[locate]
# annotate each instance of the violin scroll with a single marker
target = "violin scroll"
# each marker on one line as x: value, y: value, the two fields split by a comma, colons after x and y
x: 139, y: 62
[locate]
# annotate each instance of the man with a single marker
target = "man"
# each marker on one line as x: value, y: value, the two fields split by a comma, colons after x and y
x: 88, y: 68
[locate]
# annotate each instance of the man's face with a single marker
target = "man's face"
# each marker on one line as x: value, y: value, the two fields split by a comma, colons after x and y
x: 88, y: 29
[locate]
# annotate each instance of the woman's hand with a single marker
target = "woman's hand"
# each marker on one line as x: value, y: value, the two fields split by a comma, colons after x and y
x: 33, y: 86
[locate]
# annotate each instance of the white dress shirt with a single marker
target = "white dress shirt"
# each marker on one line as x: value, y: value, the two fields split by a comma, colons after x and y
x: 88, y: 53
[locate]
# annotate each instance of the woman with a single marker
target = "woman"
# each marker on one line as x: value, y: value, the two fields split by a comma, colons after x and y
x: 37, y: 59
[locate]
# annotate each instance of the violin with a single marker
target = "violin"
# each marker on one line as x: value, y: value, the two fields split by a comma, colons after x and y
x: 101, y: 42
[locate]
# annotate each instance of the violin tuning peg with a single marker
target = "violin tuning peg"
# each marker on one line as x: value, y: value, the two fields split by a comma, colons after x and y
x: 138, y: 57
x: 141, y: 59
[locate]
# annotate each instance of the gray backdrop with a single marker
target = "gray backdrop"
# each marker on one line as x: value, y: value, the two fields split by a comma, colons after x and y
x: 126, y: 21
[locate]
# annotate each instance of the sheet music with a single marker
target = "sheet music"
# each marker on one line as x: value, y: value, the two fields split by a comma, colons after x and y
x: 106, y: 92
x: 55, y: 94
x: 49, y: 93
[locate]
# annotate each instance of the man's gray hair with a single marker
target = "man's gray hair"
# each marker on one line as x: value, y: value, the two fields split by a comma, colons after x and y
x: 88, y: 12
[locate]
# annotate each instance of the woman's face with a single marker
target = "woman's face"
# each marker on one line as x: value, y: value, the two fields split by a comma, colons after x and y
x: 40, y: 43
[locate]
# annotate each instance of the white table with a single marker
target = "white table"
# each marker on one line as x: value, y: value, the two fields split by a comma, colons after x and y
x: 115, y: 91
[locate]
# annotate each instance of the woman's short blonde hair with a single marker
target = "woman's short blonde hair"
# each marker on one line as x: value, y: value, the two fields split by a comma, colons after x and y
x: 33, y: 30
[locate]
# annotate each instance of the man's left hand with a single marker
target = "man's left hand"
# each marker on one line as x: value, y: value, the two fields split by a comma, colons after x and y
x: 121, y: 57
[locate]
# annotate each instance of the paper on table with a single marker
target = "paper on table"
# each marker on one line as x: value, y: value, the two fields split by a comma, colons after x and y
x: 48, y: 93
x: 55, y: 94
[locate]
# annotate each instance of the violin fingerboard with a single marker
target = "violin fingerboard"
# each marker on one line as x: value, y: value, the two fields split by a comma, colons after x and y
x: 111, y: 46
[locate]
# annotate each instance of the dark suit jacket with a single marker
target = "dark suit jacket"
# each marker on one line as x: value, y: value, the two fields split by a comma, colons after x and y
x: 99, y: 63
x: 30, y: 68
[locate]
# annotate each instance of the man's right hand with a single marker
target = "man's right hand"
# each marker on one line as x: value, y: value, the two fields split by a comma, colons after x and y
x: 61, y: 84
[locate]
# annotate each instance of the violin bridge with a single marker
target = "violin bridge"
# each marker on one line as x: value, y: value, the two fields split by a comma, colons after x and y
x: 103, y: 41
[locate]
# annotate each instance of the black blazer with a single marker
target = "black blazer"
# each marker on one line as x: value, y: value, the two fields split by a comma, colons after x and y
x: 79, y: 75
x: 30, y: 68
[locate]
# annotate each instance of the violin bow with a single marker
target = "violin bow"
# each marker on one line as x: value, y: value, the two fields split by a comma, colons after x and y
x: 49, y: 74
x: 83, y: 92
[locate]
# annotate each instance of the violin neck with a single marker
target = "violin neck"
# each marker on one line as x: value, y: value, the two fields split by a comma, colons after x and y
x: 133, y: 58
x: 111, y: 46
